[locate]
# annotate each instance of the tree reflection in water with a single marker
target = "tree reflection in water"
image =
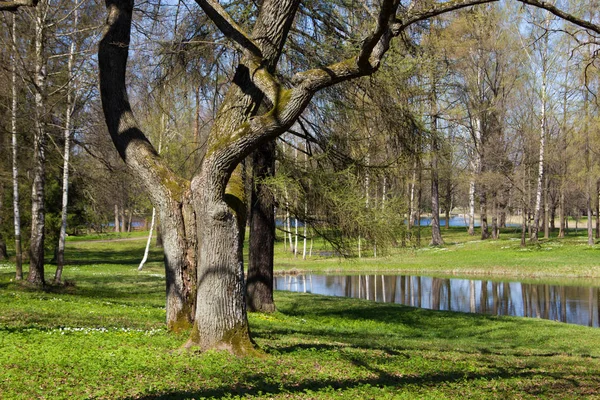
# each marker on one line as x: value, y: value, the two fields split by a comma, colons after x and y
x: 570, y: 304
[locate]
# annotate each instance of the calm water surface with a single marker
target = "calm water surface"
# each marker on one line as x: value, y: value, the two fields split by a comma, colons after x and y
x: 570, y: 304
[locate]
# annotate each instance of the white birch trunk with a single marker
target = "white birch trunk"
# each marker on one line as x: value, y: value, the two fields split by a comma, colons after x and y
x: 287, y: 219
x: 66, y: 157
x: 411, y: 211
x: 15, y: 168
x: 296, y: 218
x: 540, y: 177
x: 147, y: 250
x: 476, y: 165
x: 117, y: 227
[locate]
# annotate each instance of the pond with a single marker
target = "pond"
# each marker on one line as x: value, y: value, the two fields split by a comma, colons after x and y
x: 570, y: 304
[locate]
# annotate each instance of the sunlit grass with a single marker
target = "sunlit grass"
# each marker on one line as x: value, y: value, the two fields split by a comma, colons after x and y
x: 463, y: 255
x: 103, y: 336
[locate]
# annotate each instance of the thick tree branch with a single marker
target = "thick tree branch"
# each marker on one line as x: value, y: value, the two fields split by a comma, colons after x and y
x: 386, y: 16
x: 290, y: 103
x: 16, y: 4
x: 131, y: 143
x: 228, y: 26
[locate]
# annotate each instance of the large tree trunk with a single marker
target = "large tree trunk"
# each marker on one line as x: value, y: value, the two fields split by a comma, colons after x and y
x: 36, y: 249
x: 169, y: 194
x: 15, y: 168
x: 259, y: 290
x: 220, y: 321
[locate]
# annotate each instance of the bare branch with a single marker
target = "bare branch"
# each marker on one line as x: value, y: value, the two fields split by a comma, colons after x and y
x: 16, y: 4
x: 562, y: 14
x: 228, y: 26
x: 413, y: 16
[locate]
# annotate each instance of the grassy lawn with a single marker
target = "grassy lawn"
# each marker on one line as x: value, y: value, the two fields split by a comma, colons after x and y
x: 103, y: 336
x: 463, y: 255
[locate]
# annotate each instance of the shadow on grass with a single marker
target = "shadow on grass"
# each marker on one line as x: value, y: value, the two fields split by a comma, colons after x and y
x: 119, y: 289
x: 117, y: 256
x: 259, y: 384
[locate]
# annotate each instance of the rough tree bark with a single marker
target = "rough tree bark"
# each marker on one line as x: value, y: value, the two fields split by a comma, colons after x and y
x: 36, y: 248
x: 259, y: 287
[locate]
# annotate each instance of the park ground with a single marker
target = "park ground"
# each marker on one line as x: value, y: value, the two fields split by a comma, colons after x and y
x: 103, y: 336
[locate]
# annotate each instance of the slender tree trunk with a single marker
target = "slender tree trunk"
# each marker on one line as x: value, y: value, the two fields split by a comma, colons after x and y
x: 597, y: 198
x: 538, y: 194
x: 305, y: 233
x: 485, y: 233
x: 561, y: 211
x: 418, y: 209
x: 590, y: 217
x: 36, y: 249
x: 15, y: 170
x: 495, y: 229
x: 147, y: 249
x: 122, y: 218
x: 117, y: 224
x: 412, y: 208
x: 288, y: 220
x: 60, y: 259
x: 523, y: 228
x: 588, y: 172
x: 448, y: 202
x: 259, y: 286
x: 472, y: 207
x: 436, y: 234
x: 3, y: 252
x: 546, y: 208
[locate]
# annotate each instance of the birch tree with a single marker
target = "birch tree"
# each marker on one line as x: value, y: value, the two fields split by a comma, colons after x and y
x: 69, y: 110
x: 14, y: 146
x: 36, y: 249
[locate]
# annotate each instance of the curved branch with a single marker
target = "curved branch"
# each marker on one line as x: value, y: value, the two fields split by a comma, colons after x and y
x: 562, y: 14
x: 228, y: 26
x: 131, y: 143
x: 414, y: 16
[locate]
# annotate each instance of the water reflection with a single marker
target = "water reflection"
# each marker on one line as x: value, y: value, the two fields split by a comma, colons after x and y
x: 570, y: 304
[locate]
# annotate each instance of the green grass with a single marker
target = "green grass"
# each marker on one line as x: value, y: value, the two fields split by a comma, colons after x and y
x: 464, y: 255
x: 103, y: 336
